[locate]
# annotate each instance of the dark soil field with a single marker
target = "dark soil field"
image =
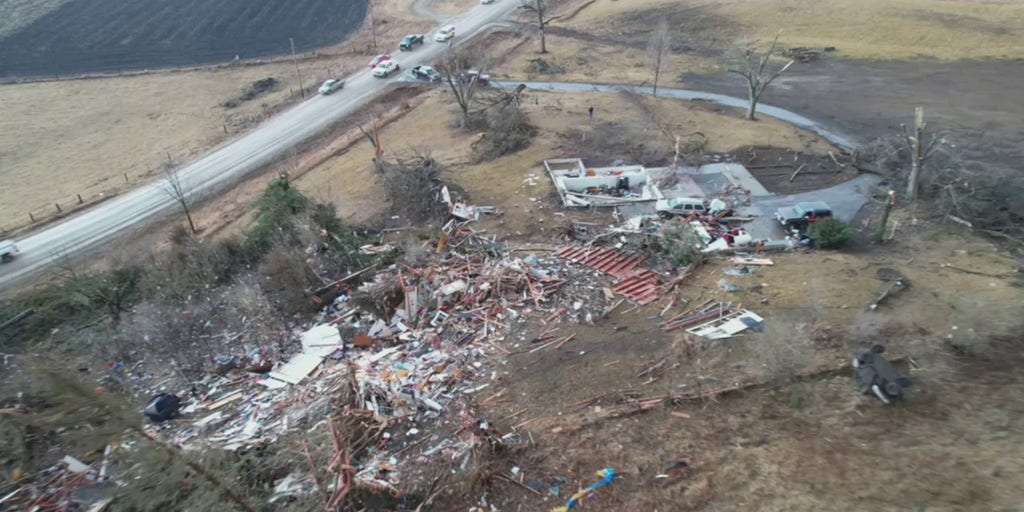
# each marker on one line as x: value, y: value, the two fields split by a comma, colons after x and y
x: 103, y: 36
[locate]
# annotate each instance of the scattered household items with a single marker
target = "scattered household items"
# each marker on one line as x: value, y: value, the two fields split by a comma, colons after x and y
x: 579, y: 186
x: 741, y: 259
x: 674, y: 469
x: 162, y: 407
x: 742, y: 271
x: 895, y: 283
x: 607, y: 476
x: 8, y: 250
x: 801, y: 215
x: 876, y: 376
x: 714, y: 320
x: 729, y: 287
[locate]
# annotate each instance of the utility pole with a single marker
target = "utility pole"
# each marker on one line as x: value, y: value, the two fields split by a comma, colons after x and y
x: 297, y: 75
x: 373, y: 25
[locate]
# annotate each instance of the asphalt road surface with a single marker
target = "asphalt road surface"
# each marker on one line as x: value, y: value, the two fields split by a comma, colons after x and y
x: 86, y: 233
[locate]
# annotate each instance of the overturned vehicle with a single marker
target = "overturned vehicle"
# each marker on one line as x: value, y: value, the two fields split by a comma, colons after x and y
x: 876, y: 376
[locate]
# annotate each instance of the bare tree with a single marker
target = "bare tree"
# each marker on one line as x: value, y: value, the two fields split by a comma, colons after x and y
x: 540, y: 9
x: 464, y: 87
x: 920, y: 151
x: 659, y: 48
x: 174, y: 189
x: 373, y: 135
x: 757, y: 75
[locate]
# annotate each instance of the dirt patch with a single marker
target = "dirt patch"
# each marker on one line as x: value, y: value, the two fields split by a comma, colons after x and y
x: 79, y: 37
x: 783, y: 171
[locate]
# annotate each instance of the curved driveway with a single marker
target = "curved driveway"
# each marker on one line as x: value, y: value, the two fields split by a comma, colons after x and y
x: 231, y: 162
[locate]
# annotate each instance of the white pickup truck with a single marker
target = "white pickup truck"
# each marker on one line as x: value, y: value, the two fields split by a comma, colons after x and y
x: 8, y: 250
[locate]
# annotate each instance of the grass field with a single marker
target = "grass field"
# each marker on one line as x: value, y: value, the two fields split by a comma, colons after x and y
x: 873, y: 29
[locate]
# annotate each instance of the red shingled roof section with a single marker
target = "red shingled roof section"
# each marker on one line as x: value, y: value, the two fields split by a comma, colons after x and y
x: 639, y: 285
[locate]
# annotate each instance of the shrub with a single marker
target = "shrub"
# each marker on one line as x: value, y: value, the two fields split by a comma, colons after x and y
x: 830, y: 233
x: 274, y: 212
x: 508, y: 130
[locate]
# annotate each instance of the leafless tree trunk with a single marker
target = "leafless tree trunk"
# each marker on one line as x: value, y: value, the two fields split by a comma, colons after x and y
x: 659, y: 48
x: 920, y: 152
x: 539, y: 8
x: 373, y: 135
x: 463, y: 87
x: 174, y: 189
x: 757, y: 75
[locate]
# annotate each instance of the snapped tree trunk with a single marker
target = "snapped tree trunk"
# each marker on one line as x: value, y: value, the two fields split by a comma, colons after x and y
x: 889, y: 201
x: 916, y: 155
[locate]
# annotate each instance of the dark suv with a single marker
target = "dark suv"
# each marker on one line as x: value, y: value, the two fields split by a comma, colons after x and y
x: 800, y: 215
x: 409, y: 41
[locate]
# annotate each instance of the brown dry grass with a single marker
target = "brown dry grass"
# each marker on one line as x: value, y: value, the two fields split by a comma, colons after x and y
x: 811, y: 445
x: 954, y: 29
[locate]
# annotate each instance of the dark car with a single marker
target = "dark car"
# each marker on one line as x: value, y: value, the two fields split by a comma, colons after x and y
x: 425, y: 73
x: 409, y: 41
x: 801, y: 215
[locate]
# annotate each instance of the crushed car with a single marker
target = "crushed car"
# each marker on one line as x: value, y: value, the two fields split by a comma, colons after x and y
x: 876, y: 376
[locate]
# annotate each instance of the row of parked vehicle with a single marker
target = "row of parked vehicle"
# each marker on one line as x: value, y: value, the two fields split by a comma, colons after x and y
x: 385, y: 65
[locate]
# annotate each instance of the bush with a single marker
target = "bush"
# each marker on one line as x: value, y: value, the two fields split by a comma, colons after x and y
x: 274, y: 212
x: 830, y: 233
x: 508, y: 131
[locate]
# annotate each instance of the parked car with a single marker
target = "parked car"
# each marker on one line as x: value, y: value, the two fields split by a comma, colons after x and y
x: 8, y: 250
x: 472, y: 74
x: 445, y: 33
x: 385, y: 69
x: 331, y: 85
x: 487, y: 2
x: 425, y: 73
x: 409, y: 41
x: 681, y: 206
x: 801, y: 215
x: 374, y: 62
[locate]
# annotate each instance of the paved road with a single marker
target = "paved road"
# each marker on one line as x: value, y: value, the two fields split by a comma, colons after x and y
x: 226, y: 165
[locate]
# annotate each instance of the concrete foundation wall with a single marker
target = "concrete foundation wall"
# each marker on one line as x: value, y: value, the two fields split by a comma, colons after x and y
x: 583, y: 183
